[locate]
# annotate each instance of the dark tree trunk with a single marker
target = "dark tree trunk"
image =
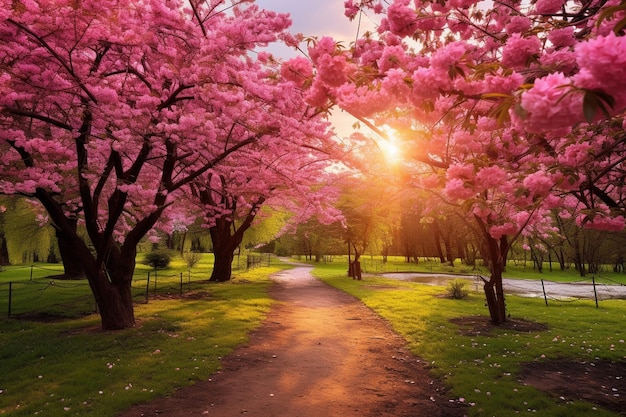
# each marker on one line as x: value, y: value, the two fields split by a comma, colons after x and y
x: 110, y: 282
x: 224, y: 244
x: 115, y: 301
x: 437, y: 242
x: 494, y: 292
x: 109, y: 270
x: 449, y: 253
x: 497, y: 250
x: 222, y: 266
x: 226, y: 238
x: 73, y: 266
x: 4, y: 251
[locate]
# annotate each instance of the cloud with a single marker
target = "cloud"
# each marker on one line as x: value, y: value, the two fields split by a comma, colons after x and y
x: 318, y: 18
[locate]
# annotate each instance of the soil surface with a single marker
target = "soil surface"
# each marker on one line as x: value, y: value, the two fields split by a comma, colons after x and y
x: 320, y: 352
x: 601, y: 382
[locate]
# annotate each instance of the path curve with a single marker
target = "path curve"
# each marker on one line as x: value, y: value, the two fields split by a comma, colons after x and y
x: 320, y: 352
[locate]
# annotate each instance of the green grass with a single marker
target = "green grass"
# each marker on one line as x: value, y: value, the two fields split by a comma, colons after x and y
x: 515, y: 269
x: 33, y: 291
x: 72, y: 368
x: 483, y: 370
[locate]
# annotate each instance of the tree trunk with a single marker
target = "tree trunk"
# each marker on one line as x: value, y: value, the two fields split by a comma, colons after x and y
x: 224, y: 245
x: 110, y: 285
x: 226, y: 238
x: 115, y: 303
x: 222, y: 266
x: 496, y: 250
x: 437, y: 242
x: 494, y: 294
x: 73, y: 266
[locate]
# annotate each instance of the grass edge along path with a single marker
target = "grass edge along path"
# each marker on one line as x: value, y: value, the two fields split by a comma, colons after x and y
x: 72, y: 368
x: 483, y: 369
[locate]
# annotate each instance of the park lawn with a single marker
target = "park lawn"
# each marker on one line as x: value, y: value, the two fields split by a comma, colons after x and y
x: 72, y: 368
x: 515, y: 269
x: 33, y: 289
x: 481, y: 369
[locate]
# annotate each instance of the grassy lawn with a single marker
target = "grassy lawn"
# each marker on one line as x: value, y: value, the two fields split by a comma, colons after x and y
x: 72, y: 368
x: 32, y: 290
x: 515, y: 269
x: 483, y: 369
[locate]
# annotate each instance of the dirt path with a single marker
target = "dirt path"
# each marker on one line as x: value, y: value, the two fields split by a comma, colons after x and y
x: 319, y: 353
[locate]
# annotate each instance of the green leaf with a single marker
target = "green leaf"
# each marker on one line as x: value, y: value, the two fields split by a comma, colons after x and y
x: 520, y: 111
x: 590, y: 106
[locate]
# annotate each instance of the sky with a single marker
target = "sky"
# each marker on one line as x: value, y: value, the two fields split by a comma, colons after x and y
x: 319, y: 18
x: 315, y: 17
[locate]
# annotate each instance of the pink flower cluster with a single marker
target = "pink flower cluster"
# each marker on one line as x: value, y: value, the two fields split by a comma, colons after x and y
x: 602, y: 63
x: 549, y: 105
x: 548, y: 6
x: 402, y: 20
x: 518, y: 51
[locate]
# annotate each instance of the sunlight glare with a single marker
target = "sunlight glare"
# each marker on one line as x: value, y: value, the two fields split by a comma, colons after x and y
x: 390, y: 147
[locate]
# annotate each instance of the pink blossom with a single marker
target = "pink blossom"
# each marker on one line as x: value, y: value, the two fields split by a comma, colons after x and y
x: 602, y: 63
x: 518, y: 24
x: 561, y: 60
x: 601, y: 222
x: 431, y: 23
x: 362, y: 100
x: 575, y: 155
x: 548, y: 6
x: 538, y: 183
x: 450, y: 55
x: 562, y: 37
x: 464, y: 172
x: 402, y: 19
x: 502, y: 84
x: 317, y: 95
x: 468, y: 141
x: 490, y: 177
x: 351, y: 9
x: 497, y: 231
x: 297, y: 70
x: 392, y: 57
x: 455, y: 188
x: 549, y: 106
x: 325, y: 46
x: 395, y: 84
x: 518, y: 51
x: 331, y: 69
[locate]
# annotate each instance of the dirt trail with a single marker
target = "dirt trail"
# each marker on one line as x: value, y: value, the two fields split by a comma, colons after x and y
x: 319, y: 353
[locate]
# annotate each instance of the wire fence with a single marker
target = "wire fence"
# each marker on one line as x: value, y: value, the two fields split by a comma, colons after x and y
x: 41, y: 294
x: 596, y: 288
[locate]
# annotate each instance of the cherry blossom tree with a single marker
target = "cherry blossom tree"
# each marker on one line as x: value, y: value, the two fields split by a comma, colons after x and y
x: 287, y: 179
x: 110, y: 109
x: 516, y: 107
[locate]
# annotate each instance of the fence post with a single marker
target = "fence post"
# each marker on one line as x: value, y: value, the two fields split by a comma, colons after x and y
x: 181, y: 283
x: 545, y: 297
x: 595, y: 293
x: 147, y: 287
x: 10, y: 294
x: 31, y: 272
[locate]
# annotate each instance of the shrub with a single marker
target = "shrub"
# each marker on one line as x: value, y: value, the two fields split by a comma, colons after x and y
x: 192, y: 258
x: 157, y: 259
x: 458, y: 289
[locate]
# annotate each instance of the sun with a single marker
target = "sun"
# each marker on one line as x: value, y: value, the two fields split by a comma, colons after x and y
x: 390, y: 147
